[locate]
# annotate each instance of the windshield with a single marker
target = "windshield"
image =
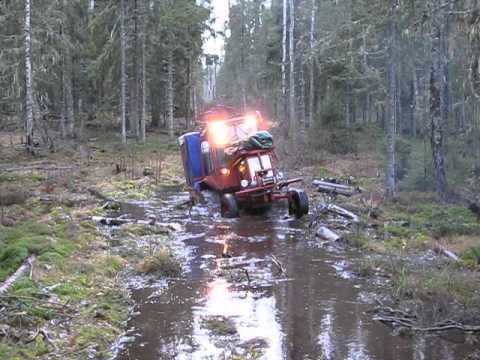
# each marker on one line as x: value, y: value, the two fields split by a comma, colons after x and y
x: 225, y: 134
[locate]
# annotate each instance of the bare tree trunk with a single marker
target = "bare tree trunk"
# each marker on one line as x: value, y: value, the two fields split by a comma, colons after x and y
x: 170, y: 94
x: 292, y: 121
x: 68, y: 87
x: 416, y: 103
x: 143, y: 70
x: 63, y: 115
x: 134, y: 98
x: 123, y: 80
x: 311, y: 67
x: 284, y: 64
x: 28, y: 78
x: 242, y: 60
x: 436, y: 117
x: 194, y: 103
x: 390, y: 123
x: 188, y: 94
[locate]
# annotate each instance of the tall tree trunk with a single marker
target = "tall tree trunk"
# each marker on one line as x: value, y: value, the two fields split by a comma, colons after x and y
x: 292, y: 109
x: 143, y: 84
x: 243, y: 82
x: 311, y: 97
x: 68, y: 87
x: 63, y: 115
x: 284, y: 65
x: 417, y: 108
x: 135, y: 101
x: 123, y: 80
x: 436, y: 119
x: 194, y: 104
x: 28, y: 78
x: 390, y: 123
x: 170, y: 94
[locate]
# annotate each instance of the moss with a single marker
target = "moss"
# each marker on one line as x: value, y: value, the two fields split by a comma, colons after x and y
x: 220, y: 325
x: 430, y: 219
x: 12, y: 351
x: 11, y: 257
x: 71, y: 291
x: 94, y: 335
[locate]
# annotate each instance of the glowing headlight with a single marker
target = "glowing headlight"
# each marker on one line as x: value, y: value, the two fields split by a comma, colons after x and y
x: 219, y: 132
x: 225, y: 172
x: 244, y: 183
x: 250, y: 121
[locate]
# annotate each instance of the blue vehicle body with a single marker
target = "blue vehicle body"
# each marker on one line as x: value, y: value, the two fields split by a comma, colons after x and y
x: 191, y: 155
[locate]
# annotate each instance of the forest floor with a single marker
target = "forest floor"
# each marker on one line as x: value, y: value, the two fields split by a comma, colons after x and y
x: 73, y: 302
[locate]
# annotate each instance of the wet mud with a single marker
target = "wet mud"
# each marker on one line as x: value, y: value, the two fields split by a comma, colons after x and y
x: 259, y: 287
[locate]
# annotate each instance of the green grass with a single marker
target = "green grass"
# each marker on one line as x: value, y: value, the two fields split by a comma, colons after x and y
x: 434, y: 219
x: 31, y: 238
x: 471, y: 257
x: 220, y: 325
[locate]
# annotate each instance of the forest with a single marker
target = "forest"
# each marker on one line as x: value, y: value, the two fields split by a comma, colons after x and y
x: 109, y: 251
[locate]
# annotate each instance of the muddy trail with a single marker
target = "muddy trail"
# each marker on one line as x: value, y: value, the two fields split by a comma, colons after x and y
x: 259, y: 287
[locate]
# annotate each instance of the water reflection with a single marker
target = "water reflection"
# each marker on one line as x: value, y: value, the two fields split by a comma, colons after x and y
x: 312, y: 311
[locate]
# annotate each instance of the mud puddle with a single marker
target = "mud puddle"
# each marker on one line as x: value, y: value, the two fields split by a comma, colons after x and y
x: 258, y: 288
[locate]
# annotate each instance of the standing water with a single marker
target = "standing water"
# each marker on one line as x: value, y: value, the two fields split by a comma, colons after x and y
x: 257, y: 288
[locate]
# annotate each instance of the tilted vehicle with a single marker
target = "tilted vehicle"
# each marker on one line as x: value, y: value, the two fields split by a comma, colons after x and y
x: 230, y: 156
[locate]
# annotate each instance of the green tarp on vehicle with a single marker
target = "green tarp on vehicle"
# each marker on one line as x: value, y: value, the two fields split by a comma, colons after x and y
x: 259, y: 140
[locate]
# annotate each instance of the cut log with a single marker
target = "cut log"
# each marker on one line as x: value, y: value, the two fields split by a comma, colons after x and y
x: 444, y: 251
x: 16, y: 275
x: 328, y: 187
x: 328, y: 234
x: 342, y: 212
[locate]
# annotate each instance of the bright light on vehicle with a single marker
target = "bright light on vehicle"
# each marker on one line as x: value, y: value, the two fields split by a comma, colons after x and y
x: 250, y: 121
x: 219, y: 132
x: 225, y: 171
x: 244, y: 183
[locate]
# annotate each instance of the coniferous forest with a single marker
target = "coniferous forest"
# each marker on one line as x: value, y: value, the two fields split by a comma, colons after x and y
x: 239, y: 179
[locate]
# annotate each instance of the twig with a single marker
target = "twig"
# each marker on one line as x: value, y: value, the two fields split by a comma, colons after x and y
x: 248, y: 276
x: 398, y: 317
x: 278, y: 264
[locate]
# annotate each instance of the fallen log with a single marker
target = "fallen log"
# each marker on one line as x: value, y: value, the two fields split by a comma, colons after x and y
x: 16, y: 275
x: 444, y: 251
x: 340, y: 211
x: 327, y: 187
x: 327, y: 234
x: 94, y: 192
x: 120, y: 221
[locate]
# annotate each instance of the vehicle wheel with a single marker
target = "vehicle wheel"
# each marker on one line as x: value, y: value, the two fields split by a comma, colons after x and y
x: 229, y: 206
x: 298, y: 203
